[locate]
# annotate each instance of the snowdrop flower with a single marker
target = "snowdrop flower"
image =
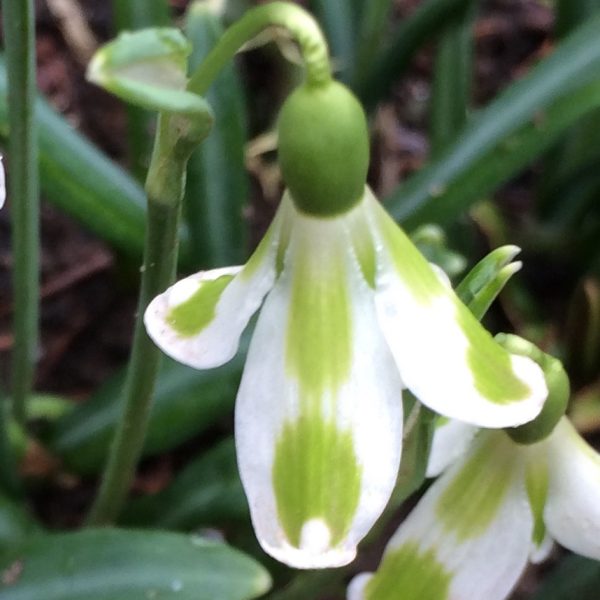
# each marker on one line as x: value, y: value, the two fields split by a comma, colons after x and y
x: 499, y: 505
x: 351, y: 314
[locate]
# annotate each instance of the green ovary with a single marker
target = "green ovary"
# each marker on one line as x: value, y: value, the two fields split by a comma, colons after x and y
x: 192, y: 316
x: 316, y: 475
x: 409, y: 574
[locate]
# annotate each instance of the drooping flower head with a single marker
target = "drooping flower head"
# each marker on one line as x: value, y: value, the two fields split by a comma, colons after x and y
x: 351, y: 314
x: 498, y: 504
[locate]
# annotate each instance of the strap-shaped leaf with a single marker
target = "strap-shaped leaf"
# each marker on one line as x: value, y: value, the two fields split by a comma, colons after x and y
x: 113, y: 564
x: 508, y: 134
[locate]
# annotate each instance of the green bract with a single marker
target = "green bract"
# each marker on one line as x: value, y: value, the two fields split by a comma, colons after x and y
x: 323, y: 148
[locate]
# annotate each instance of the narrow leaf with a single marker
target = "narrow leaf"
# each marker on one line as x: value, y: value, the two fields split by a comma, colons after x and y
x: 496, y: 146
x: 217, y: 182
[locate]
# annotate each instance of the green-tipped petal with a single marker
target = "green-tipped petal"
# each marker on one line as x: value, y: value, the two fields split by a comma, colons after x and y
x: 199, y: 320
x: 572, y: 512
x: 445, y: 357
x: 469, y: 536
x: 319, y: 411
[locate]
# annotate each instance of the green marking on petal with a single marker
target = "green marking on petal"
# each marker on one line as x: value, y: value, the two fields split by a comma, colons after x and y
x: 259, y: 255
x: 190, y: 317
x: 319, y: 336
x: 409, y: 574
x: 411, y: 266
x: 536, y: 481
x: 489, y: 363
x: 316, y: 475
x: 472, y: 500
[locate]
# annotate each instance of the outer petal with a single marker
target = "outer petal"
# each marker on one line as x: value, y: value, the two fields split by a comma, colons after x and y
x: 319, y: 411
x: 199, y: 320
x: 445, y: 357
x: 467, y: 539
x: 573, y: 507
x: 451, y: 440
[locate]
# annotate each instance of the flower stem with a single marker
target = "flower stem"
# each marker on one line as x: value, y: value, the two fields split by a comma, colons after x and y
x: 279, y: 14
x: 18, y: 20
x: 165, y: 185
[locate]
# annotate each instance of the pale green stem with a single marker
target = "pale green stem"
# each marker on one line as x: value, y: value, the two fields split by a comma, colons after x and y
x: 275, y: 14
x: 18, y: 20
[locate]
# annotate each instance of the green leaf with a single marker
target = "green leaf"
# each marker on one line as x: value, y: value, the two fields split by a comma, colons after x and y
x: 186, y: 402
x: 207, y: 492
x: 504, y: 137
x: 149, y: 69
x: 217, y: 182
x: 575, y: 577
x: 112, y: 564
x: 15, y: 524
x: 337, y: 18
x: 428, y: 19
x: 452, y: 79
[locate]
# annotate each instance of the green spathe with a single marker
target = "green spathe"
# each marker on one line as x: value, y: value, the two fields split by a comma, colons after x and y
x: 190, y: 317
x: 409, y: 574
x: 316, y: 475
x: 323, y: 148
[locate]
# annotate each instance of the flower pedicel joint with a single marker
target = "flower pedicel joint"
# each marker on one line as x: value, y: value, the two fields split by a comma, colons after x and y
x: 351, y: 314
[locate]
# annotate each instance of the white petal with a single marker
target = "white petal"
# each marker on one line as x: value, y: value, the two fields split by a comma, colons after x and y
x: 218, y: 305
x: 572, y: 512
x: 469, y: 536
x: 318, y: 434
x: 444, y: 355
x: 356, y: 588
x: 451, y: 439
x: 539, y: 554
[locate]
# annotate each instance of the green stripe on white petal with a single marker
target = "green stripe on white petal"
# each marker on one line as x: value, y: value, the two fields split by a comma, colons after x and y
x: 199, y: 320
x: 318, y: 433
x: 480, y: 544
x: 451, y: 440
x: 446, y: 358
x: 406, y: 574
x: 572, y: 512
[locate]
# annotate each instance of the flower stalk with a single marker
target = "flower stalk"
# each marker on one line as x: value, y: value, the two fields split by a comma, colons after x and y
x: 18, y: 20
